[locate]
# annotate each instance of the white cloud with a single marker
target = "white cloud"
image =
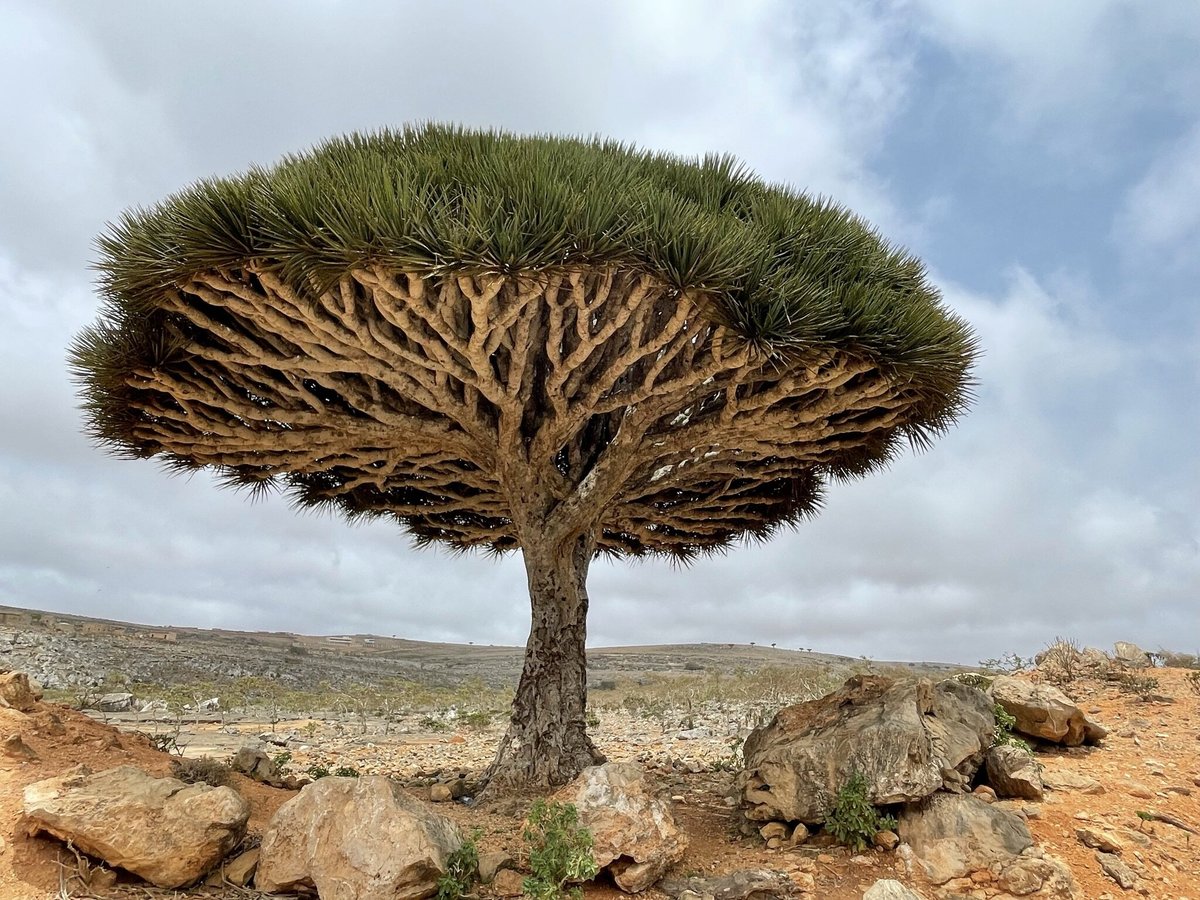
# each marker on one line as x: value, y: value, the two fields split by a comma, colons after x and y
x: 1161, y: 214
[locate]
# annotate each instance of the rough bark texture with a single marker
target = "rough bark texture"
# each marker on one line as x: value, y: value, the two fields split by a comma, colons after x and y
x: 547, y: 742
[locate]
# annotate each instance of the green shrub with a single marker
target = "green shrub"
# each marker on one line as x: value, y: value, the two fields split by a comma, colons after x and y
x: 1005, y: 723
x: 316, y: 772
x: 281, y: 759
x: 853, y: 820
x: 345, y: 772
x: 560, y: 851
x: 462, y: 870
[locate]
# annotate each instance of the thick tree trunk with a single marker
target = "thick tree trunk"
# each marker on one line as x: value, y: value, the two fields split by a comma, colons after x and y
x: 547, y: 742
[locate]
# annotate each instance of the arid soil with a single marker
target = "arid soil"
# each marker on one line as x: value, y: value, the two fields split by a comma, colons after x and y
x: 1150, y: 763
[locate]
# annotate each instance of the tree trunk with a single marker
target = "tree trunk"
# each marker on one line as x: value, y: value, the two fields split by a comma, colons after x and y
x: 547, y: 742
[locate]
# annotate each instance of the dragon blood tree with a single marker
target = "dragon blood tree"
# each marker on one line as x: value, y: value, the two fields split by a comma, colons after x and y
x: 562, y: 347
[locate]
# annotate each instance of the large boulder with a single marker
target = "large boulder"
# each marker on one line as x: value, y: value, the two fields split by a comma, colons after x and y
x: 118, y: 701
x: 356, y: 839
x: 1045, y: 712
x: 907, y: 738
x: 1132, y: 655
x: 953, y: 835
x: 633, y: 832
x: 18, y: 692
x: 160, y: 829
x: 254, y: 763
x: 1013, y: 772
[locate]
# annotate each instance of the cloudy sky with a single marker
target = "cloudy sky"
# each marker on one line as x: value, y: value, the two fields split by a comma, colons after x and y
x: 1043, y: 158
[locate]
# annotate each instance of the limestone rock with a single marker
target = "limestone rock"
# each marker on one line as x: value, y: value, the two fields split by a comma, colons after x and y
x: 162, y: 830
x: 889, y: 889
x: 1013, y: 772
x: 1131, y: 655
x: 908, y: 739
x: 1035, y: 872
x: 18, y: 692
x: 633, y: 831
x: 119, y: 701
x: 440, y: 793
x: 952, y: 835
x: 1117, y: 870
x: 508, y: 883
x: 756, y: 884
x: 257, y: 765
x: 1062, y: 779
x: 15, y: 747
x: 355, y: 839
x: 1045, y: 712
x: 238, y: 871
x: 491, y: 863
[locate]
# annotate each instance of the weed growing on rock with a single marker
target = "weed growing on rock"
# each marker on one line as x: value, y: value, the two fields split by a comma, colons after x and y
x: 560, y: 851
x: 462, y: 870
x: 1005, y: 723
x: 853, y: 820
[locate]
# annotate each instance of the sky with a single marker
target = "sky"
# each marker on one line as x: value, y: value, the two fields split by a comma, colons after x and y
x: 1043, y: 159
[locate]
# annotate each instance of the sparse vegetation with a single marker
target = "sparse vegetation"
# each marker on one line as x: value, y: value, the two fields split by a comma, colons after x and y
x: 1005, y: 723
x: 203, y: 769
x: 1192, y: 679
x: 1006, y: 663
x: 1061, y: 661
x: 854, y: 821
x: 462, y: 870
x: 560, y: 851
x: 1143, y: 687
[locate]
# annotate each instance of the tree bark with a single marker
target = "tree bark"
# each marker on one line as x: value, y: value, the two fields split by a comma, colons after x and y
x: 547, y: 743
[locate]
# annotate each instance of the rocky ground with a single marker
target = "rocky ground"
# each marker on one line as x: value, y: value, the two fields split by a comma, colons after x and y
x: 1137, y: 792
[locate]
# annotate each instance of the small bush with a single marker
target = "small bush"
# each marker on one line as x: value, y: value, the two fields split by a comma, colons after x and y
x: 281, y: 759
x: 853, y: 820
x: 560, y: 851
x: 1005, y: 723
x: 462, y: 870
x: 1006, y: 664
x: 974, y: 679
x: 345, y: 772
x: 1142, y: 686
x: 478, y: 720
x: 1193, y: 681
x: 203, y: 770
x: 316, y: 772
x: 433, y: 723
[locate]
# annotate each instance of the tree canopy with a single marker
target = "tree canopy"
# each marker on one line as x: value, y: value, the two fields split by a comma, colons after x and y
x: 407, y: 323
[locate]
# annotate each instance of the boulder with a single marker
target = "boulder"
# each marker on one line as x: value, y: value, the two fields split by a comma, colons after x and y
x: 747, y: 884
x: 1045, y: 712
x: 1035, y: 872
x: 633, y: 832
x: 907, y: 738
x: 18, y: 692
x: 257, y: 765
x: 1013, y: 772
x: 953, y: 835
x: 1131, y: 655
x: 355, y: 839
x: 890, y: 889
x: 120, y: 701
x: 160, y: 829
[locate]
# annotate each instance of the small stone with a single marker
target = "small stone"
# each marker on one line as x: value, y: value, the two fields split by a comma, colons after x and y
x: 1117, y: 870
x: 775, y: 830
x: 102, y: 880
x: 508, y: 883
x: 1142, y: 793
x: 799, y: 834
x: 440, y: 793
x: 491, y: 863
x: 774, y: 843
x: 16, y: 748
x: 984, y: 793
x: 886, y: 840
x: 1099, y: 839
x: 889, y: 889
